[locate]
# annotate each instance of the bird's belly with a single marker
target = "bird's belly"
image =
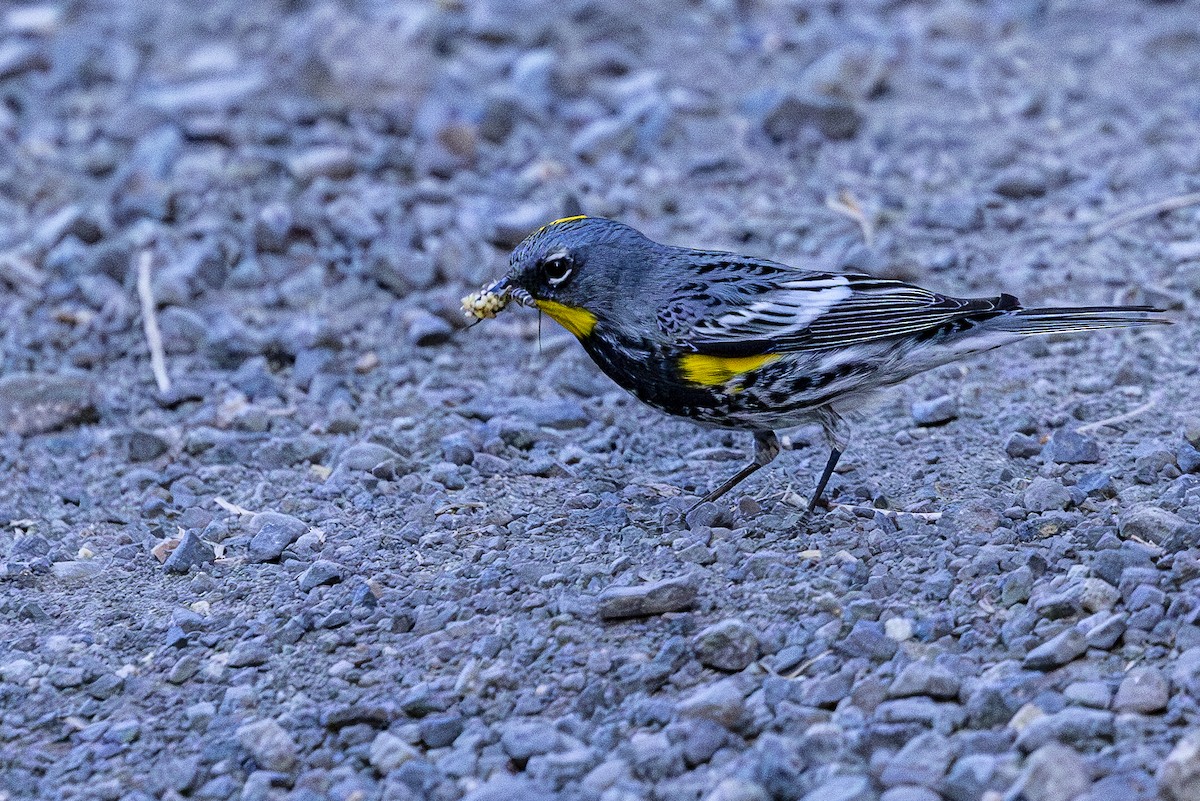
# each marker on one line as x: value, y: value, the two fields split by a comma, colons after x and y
x: 777, y: 395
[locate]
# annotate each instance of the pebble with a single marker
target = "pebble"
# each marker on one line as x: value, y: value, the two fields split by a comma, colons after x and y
x: 790, y: 114
x: 924, y: 678
x: 1022, y: 446
x: 1151, y: 523
x: 365, y: 456
x: 1179, y: 774
x: 249, y: 653
x: 1068, y: 446
x: 723, y: 703
x: 319, y: 573
x: 1073, y: 725
x: 270, y: 745
x: 1046, y: 494
x: 272, y: 533
x: 1054, y: 772
x: 868, y: 639
x: 909, y: 793
x: 842, y: 788
x: 729, y: 645
x: 327, y: 161
x: 389, y: 752
x: 734, y: 789
x: 192, y: 551
x: 657, y: 598
x: 34, y: 403
x: 523, y: 739
x: 1057, y: 651
x: 16, y: 671
x: 1144, y: 690
x: 428, y: 330
x: 935, y: 412
x: 923, y: 761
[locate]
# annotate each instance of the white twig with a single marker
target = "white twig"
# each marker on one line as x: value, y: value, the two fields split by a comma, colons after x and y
x: 1150, y: 209
x: 1121, y: 418
x: 158, y: 361
x: 845, y: 203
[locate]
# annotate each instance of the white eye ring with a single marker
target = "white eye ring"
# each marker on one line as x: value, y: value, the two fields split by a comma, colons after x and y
x: 555, y: 280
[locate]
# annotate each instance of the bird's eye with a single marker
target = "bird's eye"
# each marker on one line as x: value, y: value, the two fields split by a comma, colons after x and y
x: 557, y: 269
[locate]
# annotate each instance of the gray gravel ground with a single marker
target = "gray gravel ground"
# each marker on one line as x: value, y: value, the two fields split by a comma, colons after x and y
x: 416, y: 562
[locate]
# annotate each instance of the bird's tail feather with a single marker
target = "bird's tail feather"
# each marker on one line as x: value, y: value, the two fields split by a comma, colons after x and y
x: 1083, y: 318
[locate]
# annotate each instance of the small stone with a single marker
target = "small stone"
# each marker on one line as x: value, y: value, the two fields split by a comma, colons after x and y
x: 523, y: 739
x: 249, y: 653
x: 1144, y: 690
x: 1097, y: 595
x: 1057, y: 651
x: 660, y: 597
x: 868, y: 639
x: 270, y: 745
x: 426, y: 330
x: 272, y: 532
x: 389, y: 752
x: 319, y: 573
x: 328, y: 161
x: 1017, y: 586
x: 842, y: 788
x: 191, y: 552
x: 733, y: 789
x: 1022, y: 446
x: 729, y: 645
x: 909, y: 793
x: 1020, y: 182
x: 1070, y: 447
x: 1073, y: 725
x: 365, y: 456
x: 16, y: 671
x: 924, y: 678
x: 1179, y: 774
x: 439, y: 731
x: 1094, y: 694
x: 1053, y: 773
x: 144, y: 446
x: 1151, y: 523
x: 790, y: 114
x: 1046, y: 494
x: 923, y: 761
x: 970, y: 777
x: 935, y: 412
x: 34, y: 403
x: 1105, y: 633
x: 722, y: 703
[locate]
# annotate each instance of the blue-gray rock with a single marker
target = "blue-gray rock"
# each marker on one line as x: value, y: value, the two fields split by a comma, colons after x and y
x: 1022, y: 446
x: 190, y: 552
x: 1057, y: 651
x: 1151, y: 523
x: 841, y: 788
x: 728, y: 645
x: 270, y: 745
x: 1045, y: 494
x: 1179, y: 774
x: 439, y: 731
x: 924, y: 678
x: 660, y: 597
x: 790, y: 114
x: 1052, y: 773
x: 923, y: 761
x: 1077, y: 726
x: 318, y: 573
x: 935, y: 412
x: 868, y: 639
x: 34, y: 403
x: 1068, y: 446
x: 271, y: 533
x: 1144, y: 690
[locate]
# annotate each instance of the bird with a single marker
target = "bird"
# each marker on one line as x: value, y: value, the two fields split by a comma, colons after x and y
x: 749, y: 344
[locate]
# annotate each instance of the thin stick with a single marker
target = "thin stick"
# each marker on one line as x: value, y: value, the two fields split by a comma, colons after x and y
x: 158, y: 361
x: 1121, y: 418
x: 845, y: 203
x: 1149, y: 210
x: 231, y: 507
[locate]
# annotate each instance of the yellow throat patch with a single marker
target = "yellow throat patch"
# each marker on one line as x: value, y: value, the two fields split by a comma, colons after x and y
x: 714, y: 371
x: 579, y: 322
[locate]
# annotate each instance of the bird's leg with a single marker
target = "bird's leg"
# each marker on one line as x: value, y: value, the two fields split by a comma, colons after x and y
x: 838, y: 436
x: 766, y: 448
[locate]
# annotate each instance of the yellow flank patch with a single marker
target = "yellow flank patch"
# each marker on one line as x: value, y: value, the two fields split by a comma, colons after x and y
x: 579, y: 322
x: 713, y: 371
x: 560, y: 220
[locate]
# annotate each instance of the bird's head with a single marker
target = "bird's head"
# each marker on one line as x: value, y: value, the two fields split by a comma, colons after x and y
x: 576, y: 270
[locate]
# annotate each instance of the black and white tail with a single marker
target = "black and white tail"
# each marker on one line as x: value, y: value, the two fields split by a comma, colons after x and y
x: 1082, y: 318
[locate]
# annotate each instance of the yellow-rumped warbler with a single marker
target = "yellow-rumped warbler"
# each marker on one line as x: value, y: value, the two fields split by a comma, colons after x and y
x: 744, y: 343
